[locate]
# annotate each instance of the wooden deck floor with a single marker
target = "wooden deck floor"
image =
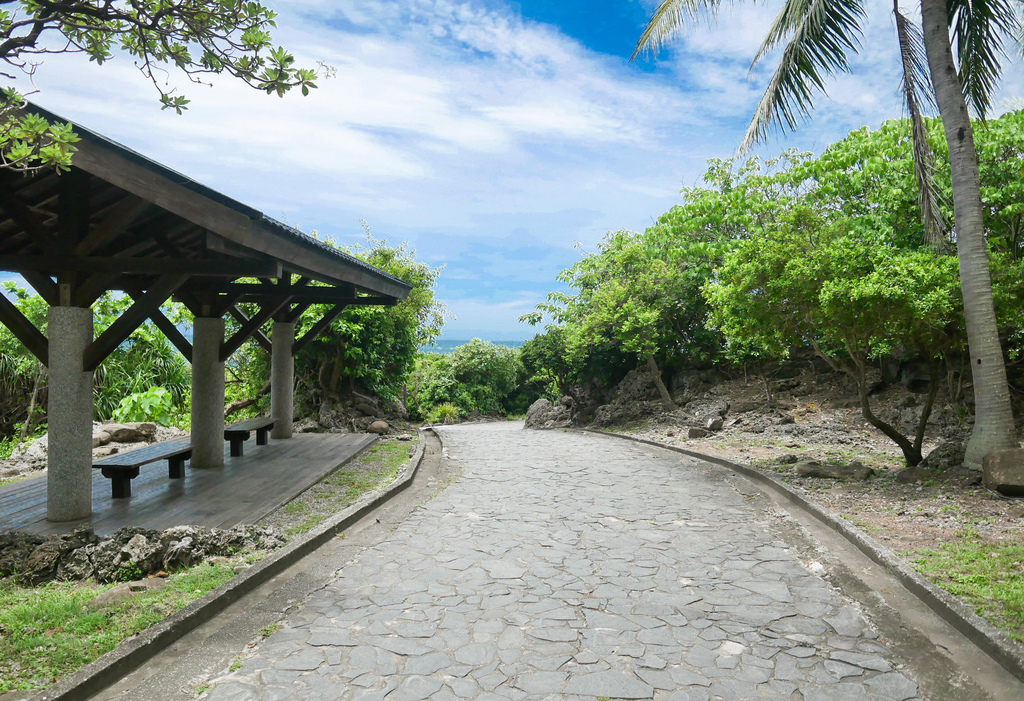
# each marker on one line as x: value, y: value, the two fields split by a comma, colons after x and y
x: 243, y: 491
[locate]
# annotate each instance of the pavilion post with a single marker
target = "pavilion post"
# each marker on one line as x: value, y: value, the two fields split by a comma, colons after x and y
x: 207, y: 392
x: 282, y: 379
x: 69, y: 415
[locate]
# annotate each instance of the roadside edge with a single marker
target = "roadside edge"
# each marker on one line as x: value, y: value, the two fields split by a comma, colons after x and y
x: 133, y: 652
x: 996, y: 644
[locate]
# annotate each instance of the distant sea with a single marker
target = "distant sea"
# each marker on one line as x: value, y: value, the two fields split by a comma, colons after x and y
x: 445, y: 346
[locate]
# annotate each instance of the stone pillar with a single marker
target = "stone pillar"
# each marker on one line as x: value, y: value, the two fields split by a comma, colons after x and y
x: 69, y: 415
x: 282, y: 379
x: 207, y: 393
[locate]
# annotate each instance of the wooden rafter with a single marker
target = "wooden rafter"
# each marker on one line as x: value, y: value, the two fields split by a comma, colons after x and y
x: 242, y: 318
x: 113, y: 225
x: 248, y: 329
x: 115, y: 334
x: 139, y: 266
x: 24, y: 330
x: 318, y: 327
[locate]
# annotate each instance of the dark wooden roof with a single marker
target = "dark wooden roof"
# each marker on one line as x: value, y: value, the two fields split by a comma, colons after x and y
x: 136, y: 219
x: 120, y: 221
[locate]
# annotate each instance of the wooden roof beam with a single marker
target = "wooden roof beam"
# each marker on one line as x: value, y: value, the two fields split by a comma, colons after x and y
x: 243, y: 319
x: 141, y: 266
x: 318, y: 327
x: 248, y: 329
x: 24, y: 330
x: 113, y: 225
x: 116, y: 334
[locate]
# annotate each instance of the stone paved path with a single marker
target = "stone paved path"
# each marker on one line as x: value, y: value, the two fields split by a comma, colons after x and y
x: 567, y: 566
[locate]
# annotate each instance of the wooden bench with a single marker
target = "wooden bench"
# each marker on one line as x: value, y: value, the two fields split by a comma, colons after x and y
x: 236, y: 433
x: 122, y: 468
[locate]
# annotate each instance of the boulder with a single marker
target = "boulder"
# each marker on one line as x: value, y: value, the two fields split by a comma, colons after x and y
x: 714, y: 423
x: 697, y: 433
x: 812, y: 468
x: 543, y: 414
x: 125, y: 591
x: 181, y: 554
x: 100, y: 438
x: 43, y: 563
x: 1003, y: 471
x: 379, y: 427
x: 144, y: 432
x: 15, y: 548
x: 949, y: 454
x: 788, y: 459
x: 910, y: 475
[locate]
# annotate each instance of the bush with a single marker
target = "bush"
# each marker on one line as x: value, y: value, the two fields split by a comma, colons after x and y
x: 446, y: 413
x: 154, y: 405
x: 477, y: 377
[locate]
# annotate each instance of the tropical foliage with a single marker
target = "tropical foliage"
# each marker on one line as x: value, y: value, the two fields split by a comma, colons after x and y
x: 767, y: 258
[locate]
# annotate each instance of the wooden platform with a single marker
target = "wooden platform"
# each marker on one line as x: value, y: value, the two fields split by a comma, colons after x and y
x: 243, y: 491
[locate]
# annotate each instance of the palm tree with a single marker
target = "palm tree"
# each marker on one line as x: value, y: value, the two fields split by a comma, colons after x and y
x: 818, y: 36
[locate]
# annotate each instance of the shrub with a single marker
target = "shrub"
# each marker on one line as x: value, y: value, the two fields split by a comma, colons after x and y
x: 154, y: 404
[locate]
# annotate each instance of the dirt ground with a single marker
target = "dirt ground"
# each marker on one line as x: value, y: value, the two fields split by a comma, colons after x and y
x: 806, y: 423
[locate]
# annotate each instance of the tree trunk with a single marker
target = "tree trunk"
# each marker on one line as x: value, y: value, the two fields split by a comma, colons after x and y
x: 666, y: 398
x: 31, y: 406
x: 993, y: 421
x: 911, y: 452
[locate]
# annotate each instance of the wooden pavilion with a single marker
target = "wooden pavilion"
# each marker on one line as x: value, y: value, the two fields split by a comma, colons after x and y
x: 120, y: 221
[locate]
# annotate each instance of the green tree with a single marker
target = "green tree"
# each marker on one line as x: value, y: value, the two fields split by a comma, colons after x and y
x: 373, y: 348
x: 196, y: 38
x: 851, y: 298
x: 817, y: 38
x: 477, y: 377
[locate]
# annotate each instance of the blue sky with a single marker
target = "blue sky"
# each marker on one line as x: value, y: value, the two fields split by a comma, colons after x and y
x: 491, y: 135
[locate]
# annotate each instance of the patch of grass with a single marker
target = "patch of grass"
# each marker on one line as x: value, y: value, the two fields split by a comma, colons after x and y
x: 988, y: 576
x: 375, y: 468
x: 49, y: 632
x: 267, y: 631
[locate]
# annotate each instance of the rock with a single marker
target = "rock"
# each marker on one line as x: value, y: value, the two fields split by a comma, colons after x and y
x: 100, y: 438
x: 125, y: 591
x: 543, y: 414
x: 812, y: 468
x: 404, y: 437
x: 1015, y: 512
x: 144, y: 432
x: 181, y: 554
x: 949, y: 454
x: 1003, y: 471
x: 714, y: 423
x: 785, y: 420
x: 43, y: 563
x: 697, y: 433
x: 910, y: 475
x: 849, y: 402
x: 788, y: 459
x: 379, y: 427
x: 14, y: 550
x: 306, y: 425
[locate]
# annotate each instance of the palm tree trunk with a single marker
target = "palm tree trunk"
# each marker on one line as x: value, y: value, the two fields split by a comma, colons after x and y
x: 993, y: 420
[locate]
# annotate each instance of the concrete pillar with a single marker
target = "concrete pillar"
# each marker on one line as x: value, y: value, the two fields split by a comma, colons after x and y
x: 207, y: 392
x: 282, y: 379
x: 69, y: 415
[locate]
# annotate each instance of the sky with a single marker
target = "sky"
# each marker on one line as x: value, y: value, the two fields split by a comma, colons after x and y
x: 499, y: 139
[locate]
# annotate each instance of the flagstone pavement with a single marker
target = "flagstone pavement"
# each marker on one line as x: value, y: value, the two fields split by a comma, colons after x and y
x: 570, y: 566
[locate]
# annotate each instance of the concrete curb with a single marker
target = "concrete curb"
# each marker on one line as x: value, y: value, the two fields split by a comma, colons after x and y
x: 990, y: 639
x: 135, y: 651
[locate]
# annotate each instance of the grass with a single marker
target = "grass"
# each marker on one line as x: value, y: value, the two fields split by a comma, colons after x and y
x: 988, y: 576
x: 373, y: 469
x: 48, y: 632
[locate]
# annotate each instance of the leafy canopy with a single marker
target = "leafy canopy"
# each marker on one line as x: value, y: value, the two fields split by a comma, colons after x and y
x: 197, y: 38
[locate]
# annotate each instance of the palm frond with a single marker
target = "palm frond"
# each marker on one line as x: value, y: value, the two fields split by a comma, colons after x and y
x: 979, y: 28
x: 669, y: 19
x: 822, y: 33
x: 916, y: 86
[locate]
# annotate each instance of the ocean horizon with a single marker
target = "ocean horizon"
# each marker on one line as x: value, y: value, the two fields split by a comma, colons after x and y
x: 444, y: 345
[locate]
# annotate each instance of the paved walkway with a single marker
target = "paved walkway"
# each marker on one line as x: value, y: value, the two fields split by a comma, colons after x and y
x: 570, y: 566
